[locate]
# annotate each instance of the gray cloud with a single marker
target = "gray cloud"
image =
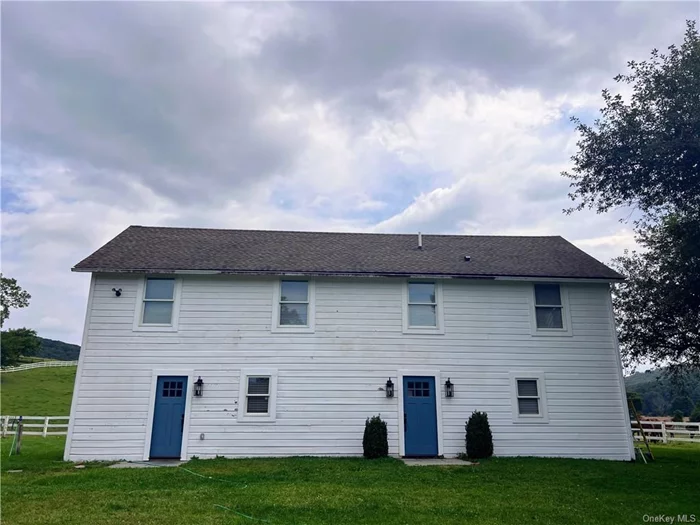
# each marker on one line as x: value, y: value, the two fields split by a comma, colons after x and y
x: 129, y: 88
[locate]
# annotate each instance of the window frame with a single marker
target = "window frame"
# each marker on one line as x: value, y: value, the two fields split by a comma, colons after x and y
x: 275, y: 325
x: 539, y: 377
x: 439, y: 329
x: 271, y: 415
x: 139, y: 325
x: 565, y: 330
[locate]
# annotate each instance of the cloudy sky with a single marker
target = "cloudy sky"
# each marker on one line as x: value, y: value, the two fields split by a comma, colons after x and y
x: 393, y: 117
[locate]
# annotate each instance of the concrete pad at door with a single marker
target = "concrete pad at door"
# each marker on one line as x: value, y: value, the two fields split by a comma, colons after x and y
x: 148, y: 464
x: 435, y: 462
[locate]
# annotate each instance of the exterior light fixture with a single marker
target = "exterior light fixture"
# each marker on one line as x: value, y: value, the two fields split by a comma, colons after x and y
x: 389, y: 388
x: 117, y: 291
x: 449, y: 388
x: 198, y: 387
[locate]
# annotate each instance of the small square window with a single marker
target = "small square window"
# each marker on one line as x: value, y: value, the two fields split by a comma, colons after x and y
x: 257, y: 396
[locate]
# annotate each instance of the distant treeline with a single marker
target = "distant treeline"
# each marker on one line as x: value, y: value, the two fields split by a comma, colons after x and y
x: 659, y: 394
x: 59, y: 350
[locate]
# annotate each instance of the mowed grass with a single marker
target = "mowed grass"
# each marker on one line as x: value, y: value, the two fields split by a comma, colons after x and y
x: 347, y: 491
x: 38, y: 392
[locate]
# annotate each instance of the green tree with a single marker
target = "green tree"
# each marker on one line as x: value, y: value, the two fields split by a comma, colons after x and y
x: 677, y: 416
x: 682, y: 404
x: 644, y: 153
x: 17, y: 343
x: 695, y: 414
x: 11, y: 296
x: 636, y: 400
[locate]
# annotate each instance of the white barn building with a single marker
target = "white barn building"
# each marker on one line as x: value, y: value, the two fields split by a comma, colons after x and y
x: 202, y: 342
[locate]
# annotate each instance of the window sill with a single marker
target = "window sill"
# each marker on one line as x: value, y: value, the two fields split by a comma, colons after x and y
x: 292, y: 330
x: 254, y: 419
x: 551, y: 333
x: 533, y: 421
x: 155, y: 328
x: 423, y: 331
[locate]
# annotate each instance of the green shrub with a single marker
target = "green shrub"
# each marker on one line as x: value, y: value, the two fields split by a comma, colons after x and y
x: 375, y: 443
x: 479, y: 438
x: 677, y: 416
x: 695, y: 416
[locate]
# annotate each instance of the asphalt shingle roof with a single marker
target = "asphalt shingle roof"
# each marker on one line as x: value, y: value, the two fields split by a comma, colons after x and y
x: 158, y: 249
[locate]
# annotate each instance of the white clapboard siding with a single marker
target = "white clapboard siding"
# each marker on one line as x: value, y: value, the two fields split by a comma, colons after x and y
x: 331, y: 380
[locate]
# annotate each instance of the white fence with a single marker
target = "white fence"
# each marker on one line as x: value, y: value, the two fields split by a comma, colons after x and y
x: 36, y: 425
x: 39, y: 364
x: 665, y: 431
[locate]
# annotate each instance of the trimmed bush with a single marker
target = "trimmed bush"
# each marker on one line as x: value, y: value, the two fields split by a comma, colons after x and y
x: 375, y: 443
x: 677, y: 417
x: 479, y: 438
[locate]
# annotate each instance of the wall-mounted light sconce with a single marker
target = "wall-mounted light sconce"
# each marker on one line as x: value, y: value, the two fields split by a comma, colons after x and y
x: 449, y: 388
x: 198, y: 387
x: 117, y: 291
x: 389, y: 388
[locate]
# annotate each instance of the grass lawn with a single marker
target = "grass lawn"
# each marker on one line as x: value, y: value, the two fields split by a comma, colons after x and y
x: 38, y: 392
x: 347, y: 491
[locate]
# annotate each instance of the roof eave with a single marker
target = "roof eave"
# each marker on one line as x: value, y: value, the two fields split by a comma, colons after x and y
x: 352, y: 274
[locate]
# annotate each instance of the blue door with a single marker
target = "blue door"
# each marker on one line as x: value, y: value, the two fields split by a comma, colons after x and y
x: 420, y: 416
x: 168, y: 417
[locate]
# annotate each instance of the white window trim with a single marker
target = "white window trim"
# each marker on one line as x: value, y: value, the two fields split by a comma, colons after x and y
x: 440, y: 318
x: 271, y: 415
x: 543, y: 416
x: 565, y: 314
x: 141, y: 296
x: 276, y: 327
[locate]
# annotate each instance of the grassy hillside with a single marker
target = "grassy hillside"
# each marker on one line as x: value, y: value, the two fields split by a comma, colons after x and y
x: 662, y: 394
x: 39, y: 392
x: 51, y: 349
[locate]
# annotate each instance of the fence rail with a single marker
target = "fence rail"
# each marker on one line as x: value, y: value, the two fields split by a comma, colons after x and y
x: 665, y: 431
x: 35, y: 425
x: 38, y: 364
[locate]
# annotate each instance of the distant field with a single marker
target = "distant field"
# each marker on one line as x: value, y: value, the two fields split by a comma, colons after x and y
x: 39, y: 392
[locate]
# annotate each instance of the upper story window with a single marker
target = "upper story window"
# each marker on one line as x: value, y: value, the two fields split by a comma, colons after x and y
x: 294, y: 306
x: 422, y: 305
x: 158, y: 301
x: 422, y: 308
x: 157, y: 306
x: 294, y: 303
x: 549, y: 308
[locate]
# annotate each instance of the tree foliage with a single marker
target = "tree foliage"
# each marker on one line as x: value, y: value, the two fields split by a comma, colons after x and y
x: 11, y: 296
x: 644, y: 153
x: 658, y: 306
x: 51, y: 349
x: 17, y: 343
x: 660, y: 390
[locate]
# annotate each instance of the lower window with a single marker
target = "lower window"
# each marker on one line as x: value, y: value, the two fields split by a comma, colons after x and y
x: 528, y: 393
x: 258, y: 392
x: 258, y: 395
